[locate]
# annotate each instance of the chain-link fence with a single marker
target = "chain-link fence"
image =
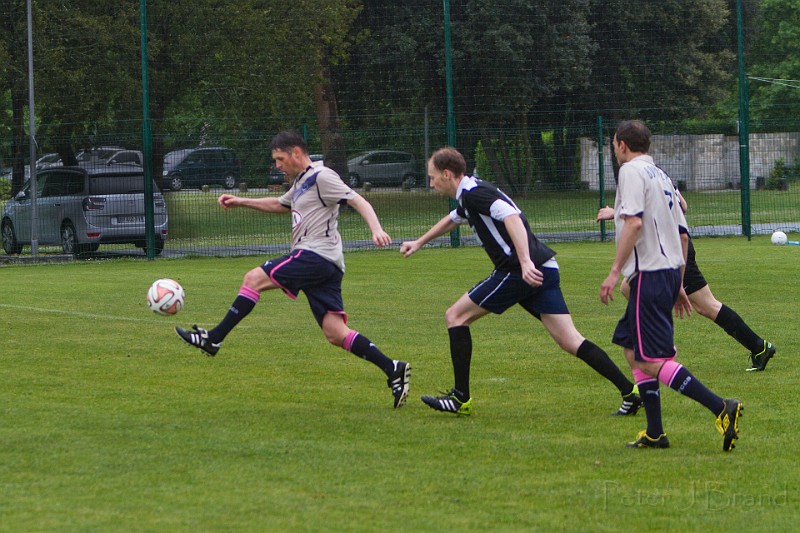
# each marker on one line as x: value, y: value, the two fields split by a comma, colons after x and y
x: 529, y: 91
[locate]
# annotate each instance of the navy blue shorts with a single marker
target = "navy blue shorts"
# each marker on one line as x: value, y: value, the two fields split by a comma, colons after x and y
x: 501, y: 290
x: 646, y: 327
x: 318, y: 278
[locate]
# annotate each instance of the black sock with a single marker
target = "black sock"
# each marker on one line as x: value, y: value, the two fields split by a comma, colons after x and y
x: 365, y: 349
x: 734, y: 326
x: 240, y: 308
x: 651, y: 399
x: 595, y: 357
x: 461, y: 355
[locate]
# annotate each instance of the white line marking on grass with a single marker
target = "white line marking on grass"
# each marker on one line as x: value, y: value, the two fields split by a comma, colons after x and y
x: 73, y: 313
x: 82, y: 314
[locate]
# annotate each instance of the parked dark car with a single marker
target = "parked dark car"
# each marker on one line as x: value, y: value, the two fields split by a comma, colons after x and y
x: 195, y: 167
x: 81, y: 208
x: 382, y: 167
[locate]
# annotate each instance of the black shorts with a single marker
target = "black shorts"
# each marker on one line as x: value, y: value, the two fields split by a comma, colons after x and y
x: 646, y: 327
x: 693, y: 279
x: 501, y: 290
x: 318, y: 278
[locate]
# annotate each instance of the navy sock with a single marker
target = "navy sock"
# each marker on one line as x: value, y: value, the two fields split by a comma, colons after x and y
x: 240, y: 308
x: 595, y: 357
x: 651, y: 399
x: 734, y: 326
x: 685, y: 383
x: 461, y: 355
x: 365, y: 349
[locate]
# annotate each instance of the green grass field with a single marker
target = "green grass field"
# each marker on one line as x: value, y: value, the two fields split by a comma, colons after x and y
x: 196, y: 220
x: 110, y: 423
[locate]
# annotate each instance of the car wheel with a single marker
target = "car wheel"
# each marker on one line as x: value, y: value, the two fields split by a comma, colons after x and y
x: 68, y: 238
x: 229, y: 181
x: 159, y: 246
x: 354, y: 180
x: 10, y: 244
x: 69, y: 241
x: 175, y: 182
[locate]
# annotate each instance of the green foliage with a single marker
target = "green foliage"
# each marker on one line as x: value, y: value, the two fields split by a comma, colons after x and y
x: 5, y: 189
x: 782, y: 175
x: 112, y: 424
x: 775, y: 65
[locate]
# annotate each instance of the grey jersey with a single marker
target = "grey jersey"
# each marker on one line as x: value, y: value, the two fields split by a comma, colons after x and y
x: 645, y: 190
x: 314, y: 199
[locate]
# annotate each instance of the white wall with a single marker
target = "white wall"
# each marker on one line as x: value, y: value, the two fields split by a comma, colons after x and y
x: 702, y: 162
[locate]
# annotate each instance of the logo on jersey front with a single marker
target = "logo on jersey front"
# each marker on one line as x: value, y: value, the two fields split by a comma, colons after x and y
x: 297, y: 218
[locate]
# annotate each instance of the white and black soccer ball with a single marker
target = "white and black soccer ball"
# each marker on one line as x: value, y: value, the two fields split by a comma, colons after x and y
x: 165, y: 297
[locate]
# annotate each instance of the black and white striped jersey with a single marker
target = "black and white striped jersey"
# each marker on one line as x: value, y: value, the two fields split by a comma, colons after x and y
x: 485, y: 208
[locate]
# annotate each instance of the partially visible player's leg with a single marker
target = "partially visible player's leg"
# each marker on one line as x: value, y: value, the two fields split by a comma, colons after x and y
x: 253, y: 284
x: 328, y: 309
x: 458, y: 318
x: 562, y: 329
x: 704, y: 302
x: 209, y: 341
x: 653, y: 436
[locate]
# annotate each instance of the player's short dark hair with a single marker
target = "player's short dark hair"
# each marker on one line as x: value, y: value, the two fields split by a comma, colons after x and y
x: 286, y: 140
x: 448, y: 158
x: 635, y: 134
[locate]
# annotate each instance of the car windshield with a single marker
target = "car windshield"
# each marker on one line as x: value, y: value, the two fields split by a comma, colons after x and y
x: 97, y: 153
x: 116, y: 184
x: 173, y: 158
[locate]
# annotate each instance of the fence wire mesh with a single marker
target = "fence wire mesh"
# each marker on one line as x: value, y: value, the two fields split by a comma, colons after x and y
x: 535, y: 90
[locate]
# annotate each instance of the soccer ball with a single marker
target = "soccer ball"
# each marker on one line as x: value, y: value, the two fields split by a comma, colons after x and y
x: 779, y: 238
x: 165, y: 297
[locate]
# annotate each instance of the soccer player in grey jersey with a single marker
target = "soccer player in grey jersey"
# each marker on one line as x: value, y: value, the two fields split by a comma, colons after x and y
x: 652, y: 242
x: 315, y: 264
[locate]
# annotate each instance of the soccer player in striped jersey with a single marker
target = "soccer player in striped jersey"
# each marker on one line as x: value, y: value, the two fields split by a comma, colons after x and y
x: 525, y: 273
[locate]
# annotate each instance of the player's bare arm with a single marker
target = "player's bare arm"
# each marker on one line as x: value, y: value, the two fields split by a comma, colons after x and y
x: 379, y: 237
x: 628, y: 237
x: 519, y: 236
x: 445, y: 225
x: 266, y: 204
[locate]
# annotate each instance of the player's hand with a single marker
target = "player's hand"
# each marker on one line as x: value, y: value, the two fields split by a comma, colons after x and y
x: 605, y: 213
x: 228, y: 200
x: 682, y: 305
x: 381, y: 239
x: 409, y: 247
x: 607, y: 288
x: 531, y: 275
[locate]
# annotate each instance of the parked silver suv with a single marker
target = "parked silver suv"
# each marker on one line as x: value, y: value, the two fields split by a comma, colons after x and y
x: 81, y: 208
x: 382, y: 167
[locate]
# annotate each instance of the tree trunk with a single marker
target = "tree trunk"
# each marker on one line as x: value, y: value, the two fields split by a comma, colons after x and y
x: 18, y: 141
x: 330, y: 128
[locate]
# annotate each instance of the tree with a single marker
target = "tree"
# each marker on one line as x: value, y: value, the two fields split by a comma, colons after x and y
x: 13, y: 80
x: 774, y: 65
x: 661, y: 61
